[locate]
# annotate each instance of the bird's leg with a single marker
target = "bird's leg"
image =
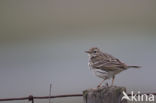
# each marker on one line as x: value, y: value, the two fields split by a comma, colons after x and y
x: 113, y: 80
x: 101, y: 83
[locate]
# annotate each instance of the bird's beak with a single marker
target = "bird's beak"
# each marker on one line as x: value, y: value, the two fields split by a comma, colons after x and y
x: 87, y: 52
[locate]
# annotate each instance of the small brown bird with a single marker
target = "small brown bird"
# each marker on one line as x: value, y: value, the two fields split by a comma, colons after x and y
x: 105, y: 65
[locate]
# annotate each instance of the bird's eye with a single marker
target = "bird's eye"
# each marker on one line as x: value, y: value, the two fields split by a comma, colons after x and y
x: 94, y: 51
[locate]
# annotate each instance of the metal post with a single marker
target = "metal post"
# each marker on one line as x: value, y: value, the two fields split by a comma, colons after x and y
x: 50, y: 93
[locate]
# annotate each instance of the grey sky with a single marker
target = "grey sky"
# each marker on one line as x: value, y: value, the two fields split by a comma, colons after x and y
x: 44, y: 41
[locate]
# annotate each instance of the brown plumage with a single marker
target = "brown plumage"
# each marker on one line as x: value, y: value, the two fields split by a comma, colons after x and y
x: 105, y: 65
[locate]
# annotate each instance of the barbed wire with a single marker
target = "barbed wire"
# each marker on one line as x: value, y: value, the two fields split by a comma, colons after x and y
x: 31, y: 98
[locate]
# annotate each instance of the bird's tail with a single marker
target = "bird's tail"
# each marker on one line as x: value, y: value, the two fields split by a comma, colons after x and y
x: 134, y: 67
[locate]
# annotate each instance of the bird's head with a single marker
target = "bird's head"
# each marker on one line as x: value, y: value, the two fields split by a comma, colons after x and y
x: 93, y: 51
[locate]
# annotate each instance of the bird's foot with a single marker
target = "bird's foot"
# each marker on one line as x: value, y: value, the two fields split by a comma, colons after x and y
x: 98, y: 86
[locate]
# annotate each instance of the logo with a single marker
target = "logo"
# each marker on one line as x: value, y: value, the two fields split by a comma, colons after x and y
x: 138, y: 97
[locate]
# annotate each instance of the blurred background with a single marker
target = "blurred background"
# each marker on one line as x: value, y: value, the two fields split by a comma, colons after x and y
x: 43, y: 42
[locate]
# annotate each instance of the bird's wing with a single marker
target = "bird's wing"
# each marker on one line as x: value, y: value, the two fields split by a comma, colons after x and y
x: 109, y: 64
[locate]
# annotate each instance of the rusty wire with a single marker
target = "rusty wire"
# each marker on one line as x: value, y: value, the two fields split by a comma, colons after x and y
x: 31, y: 98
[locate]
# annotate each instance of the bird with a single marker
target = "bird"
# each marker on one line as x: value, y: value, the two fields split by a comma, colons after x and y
x: 104, y: 65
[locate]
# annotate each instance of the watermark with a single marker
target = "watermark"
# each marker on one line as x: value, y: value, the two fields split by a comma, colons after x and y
x: 138, y: 97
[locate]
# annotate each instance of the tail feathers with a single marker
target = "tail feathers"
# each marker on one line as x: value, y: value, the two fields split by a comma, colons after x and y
x: 134, y: 66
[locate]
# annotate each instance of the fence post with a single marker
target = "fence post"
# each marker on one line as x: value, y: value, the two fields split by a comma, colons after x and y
x: 31, y: 98
x: 111, y: 94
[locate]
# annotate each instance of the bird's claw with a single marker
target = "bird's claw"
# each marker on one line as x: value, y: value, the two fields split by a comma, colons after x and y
x: 98, y: 86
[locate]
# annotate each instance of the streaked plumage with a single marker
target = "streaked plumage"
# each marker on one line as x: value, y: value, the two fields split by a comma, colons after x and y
x: 105, y: 65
